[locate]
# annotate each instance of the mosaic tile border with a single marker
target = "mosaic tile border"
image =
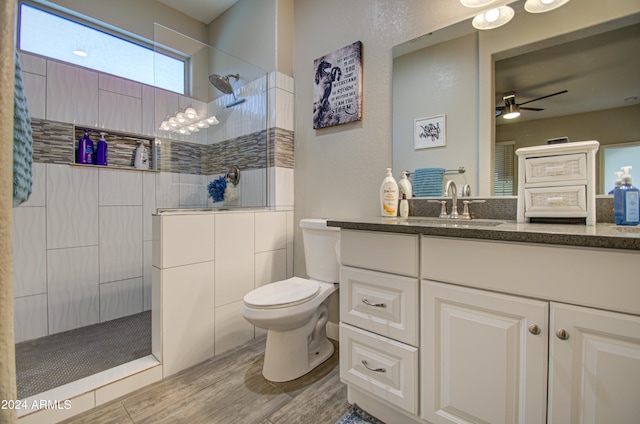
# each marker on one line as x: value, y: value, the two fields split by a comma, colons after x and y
x: 56, y: 142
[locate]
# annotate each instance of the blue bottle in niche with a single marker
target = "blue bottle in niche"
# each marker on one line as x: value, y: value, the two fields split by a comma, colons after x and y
x: 85, y: 149
x: 101, y: 150
x: 626, y: 201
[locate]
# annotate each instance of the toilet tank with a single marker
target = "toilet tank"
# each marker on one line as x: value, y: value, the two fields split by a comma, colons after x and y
x: 321, y: 249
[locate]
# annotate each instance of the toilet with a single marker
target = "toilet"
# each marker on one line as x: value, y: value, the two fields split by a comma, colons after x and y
x: 295, y: 311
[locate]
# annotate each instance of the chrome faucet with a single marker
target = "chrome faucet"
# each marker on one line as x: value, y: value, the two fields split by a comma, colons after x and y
x: 451, y: 186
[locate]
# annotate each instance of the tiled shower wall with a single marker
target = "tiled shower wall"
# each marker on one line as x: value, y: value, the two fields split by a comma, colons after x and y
x: 82, y: 243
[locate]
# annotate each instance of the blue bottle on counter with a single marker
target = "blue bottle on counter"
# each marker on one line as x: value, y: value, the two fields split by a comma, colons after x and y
x: 101, y: 150
x: 626, y: 201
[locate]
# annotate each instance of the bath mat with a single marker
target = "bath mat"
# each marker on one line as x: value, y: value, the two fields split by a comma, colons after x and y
x: 355, y: 415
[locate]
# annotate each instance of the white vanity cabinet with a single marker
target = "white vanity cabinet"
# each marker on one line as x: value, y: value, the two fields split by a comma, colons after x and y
x: 485, y: 337
x: 379, y: 316
x: 484, y: 357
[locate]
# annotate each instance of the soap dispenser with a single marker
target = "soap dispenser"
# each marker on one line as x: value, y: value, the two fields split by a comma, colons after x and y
x: 618, y: 182
x: 101, y: 150
x: 389, y: 195
x: 626, y: 202
x: 404, y: 186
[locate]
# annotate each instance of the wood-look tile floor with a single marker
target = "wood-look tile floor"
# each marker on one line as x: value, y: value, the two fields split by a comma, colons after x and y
x: 230, y: 388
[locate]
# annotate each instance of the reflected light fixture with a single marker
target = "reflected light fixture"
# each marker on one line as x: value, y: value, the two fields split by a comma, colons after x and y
x: 542, y: 6
x: 80, y: 52
x: 493, y: 18
x: 511, y: 111
x: 476, y: 3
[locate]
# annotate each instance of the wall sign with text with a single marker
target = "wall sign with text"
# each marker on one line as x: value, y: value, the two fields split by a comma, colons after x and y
x: 429, y: 132
x: 337, y: 90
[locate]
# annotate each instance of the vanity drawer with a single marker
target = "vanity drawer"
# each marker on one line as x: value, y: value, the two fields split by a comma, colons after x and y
x: 387, y: 252
x: 383, y: 303
x: 380, y: 366
x: 556, y: 169
x: 555, y: 201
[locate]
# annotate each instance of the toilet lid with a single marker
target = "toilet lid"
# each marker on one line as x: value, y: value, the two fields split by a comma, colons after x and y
x: 283, y: 293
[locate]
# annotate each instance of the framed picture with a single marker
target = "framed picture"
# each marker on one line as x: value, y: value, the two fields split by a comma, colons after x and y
x: 429, y: 132
x: 337, y: 90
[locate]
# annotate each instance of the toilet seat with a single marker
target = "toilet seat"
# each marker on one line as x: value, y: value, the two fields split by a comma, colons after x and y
x: 282, y: 294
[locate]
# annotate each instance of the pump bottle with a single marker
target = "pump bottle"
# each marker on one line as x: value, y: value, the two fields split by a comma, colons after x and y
x: 85, y: 149
x: 101, y: 150
x: 404, y: 186
x: 389, y: 195
x: 626, y: 202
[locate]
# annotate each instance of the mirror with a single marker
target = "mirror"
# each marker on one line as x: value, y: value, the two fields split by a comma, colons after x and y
x: 439, y: 71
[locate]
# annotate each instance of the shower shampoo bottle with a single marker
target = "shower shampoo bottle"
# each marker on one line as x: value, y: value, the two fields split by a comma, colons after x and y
x: 101, y: 151
x: 389, y: 195
x: 85, y: 149
x: 142, y: 157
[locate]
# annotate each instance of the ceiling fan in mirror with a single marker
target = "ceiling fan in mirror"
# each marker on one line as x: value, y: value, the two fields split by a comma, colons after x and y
x: 511, y: 109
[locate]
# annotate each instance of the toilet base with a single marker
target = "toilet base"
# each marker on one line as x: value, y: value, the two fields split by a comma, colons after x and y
x: 294, y: 353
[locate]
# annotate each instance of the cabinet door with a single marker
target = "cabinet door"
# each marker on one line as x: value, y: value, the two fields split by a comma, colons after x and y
x: 483, y: 356
x: 594, y: 366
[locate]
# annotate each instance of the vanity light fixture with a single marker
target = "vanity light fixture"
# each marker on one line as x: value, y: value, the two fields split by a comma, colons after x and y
x: 476, y: 3
x: 542, y: 6
x: 493, y: 18
x: 187, y: 121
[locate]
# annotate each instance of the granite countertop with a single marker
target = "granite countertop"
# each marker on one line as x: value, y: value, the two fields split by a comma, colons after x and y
x: 605, y: 235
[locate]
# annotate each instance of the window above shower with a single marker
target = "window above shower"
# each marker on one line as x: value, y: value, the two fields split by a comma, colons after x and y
x: 54, y: 35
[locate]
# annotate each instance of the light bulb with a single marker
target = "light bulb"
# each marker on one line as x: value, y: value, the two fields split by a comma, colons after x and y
x: 181, y: 118
x: 212, y: 120
x: 173, y: 122
x: 203, y: 124
x: 191, y: 113
x: 492, y: 15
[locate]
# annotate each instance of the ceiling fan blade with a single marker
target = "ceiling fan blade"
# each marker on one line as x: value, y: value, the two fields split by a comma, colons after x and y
x: 543, y: 97
x: 537, y: 109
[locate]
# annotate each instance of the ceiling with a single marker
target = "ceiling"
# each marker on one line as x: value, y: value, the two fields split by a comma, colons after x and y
x: 599, y: 72
x: 204, y: 11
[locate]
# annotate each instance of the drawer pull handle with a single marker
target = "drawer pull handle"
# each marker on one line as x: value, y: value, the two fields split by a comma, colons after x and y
x: 366, y: 365
x: 377, y: 305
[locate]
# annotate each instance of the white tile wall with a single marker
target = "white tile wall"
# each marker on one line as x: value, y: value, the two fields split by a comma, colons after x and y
x: 282, y: 187
x: 73, y: 288
x: 271, y: 231
x: 231, y: 329
x: 148, y: 203
x: 234, y: 256
x: 187, y: 239
x: 120, y: 86
x: 72, y: 94
x: 35, y: 89
x: 120, y: 187
x: 147, y: 276
x: 120, y: 243
x: 167, y: 190
x: 270, y: 267
x: 72, y: 206
x: 34, y: 64
x: 252, y: 187
x: 39, y: 186
x: 120, y: 298
x: 187, y: 316
x: 193, y: 191
x: 119, y: 112
x: 29, y: 251
x: 30, y: 317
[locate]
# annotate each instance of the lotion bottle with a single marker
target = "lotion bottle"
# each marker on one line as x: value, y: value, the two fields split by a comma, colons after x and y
x: 101, y: 150
x: 618, y: 182
x: 389, y: 195
x: 142, y: 157
x: 626, y: 201
x: 404, y: 206
x: 404, y: 186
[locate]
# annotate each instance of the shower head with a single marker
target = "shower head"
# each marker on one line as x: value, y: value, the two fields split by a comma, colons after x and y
x: 222, y: 83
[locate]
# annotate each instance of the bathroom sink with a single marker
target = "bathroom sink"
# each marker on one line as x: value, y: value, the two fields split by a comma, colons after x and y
x: 454, y: 223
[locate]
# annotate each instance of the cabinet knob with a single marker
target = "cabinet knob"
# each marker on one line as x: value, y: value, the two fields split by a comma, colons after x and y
x: 534, y: 329
x: 377, y: 305
x: 562, y: 334
x: 366, y: 365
